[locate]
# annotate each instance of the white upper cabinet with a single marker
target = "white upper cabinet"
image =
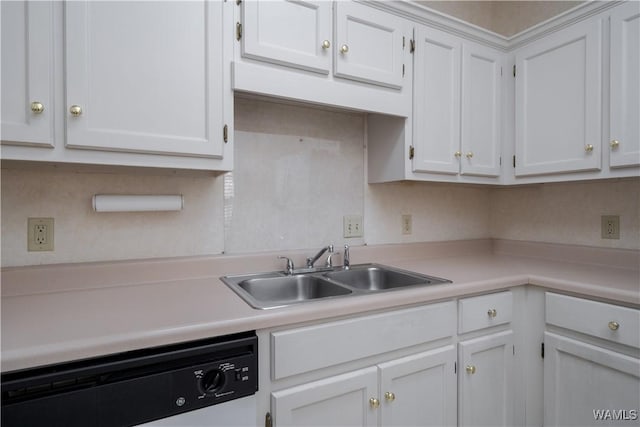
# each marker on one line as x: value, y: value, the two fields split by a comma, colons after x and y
x: 342, y: 54
x: 457, y: 89
x: 625, y: 87
x: 291, y: 33
x: 558, y: 102
x: 436, y: 101
x: 144, y: 77
x: 481, y: 95
x: 27, y: 73
x: 369, y: 45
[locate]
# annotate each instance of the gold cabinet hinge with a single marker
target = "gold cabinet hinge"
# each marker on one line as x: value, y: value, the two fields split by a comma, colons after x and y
x: 412, y: 152
x: 514, y: 70
x: 412, y: 46
x: 268, y: 421
x: 238, y: 31
x: 225, y: 133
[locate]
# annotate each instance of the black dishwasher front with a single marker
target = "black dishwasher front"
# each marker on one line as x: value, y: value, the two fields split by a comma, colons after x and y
x: 133, y: 387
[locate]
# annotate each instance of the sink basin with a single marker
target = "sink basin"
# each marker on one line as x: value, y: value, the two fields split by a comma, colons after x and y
x: 269, y: 292
x: 378, y: 278
x: 276, y: 289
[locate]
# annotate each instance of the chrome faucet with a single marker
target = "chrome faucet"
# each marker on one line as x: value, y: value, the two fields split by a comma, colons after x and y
x: 346, y: 263
x: 311, y: 261
x: 290, y: 267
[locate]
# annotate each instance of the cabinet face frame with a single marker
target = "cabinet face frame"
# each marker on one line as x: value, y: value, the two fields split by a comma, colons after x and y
x: 289, y: 33
x: 625, y: 89
x: 91, y: 130
x: 32, y: 48
x: 567, y: 64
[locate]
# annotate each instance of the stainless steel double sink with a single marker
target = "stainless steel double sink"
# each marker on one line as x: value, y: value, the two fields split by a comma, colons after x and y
x: 278, y: 289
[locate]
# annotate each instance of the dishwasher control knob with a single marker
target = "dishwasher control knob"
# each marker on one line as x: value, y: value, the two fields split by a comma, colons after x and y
x: 212, y: 381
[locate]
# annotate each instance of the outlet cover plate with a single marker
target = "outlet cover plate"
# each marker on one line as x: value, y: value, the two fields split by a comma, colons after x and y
x: 352, y: 226
x: 407, y: 227
x: 610, y: 227
x: 39, y: 234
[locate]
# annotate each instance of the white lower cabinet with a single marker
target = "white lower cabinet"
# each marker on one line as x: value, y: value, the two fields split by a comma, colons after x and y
x: 485, y: 395
x: 410, y: 391
x: 337, y: 401
x: 588, y: 385
x: 591, y: 363
x: 419, y: 390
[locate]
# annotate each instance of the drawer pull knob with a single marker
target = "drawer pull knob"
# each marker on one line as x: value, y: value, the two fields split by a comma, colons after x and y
x: 326, y: 44
x: 588, y: 148
x: 37, y: 107
x: 75, y: 110
x: 374, y: 403
x: 492, y: 312
x: 390, y: 396
x: 614, y: 144
x: 614, y: 326
x: 344, y: 48
x: 471, y: 369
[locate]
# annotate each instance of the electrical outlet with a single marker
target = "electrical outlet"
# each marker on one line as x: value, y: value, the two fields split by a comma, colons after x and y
x: 352, y: 226
x: 406, y: 224
x: 610, y: 227
x: 39, y: 234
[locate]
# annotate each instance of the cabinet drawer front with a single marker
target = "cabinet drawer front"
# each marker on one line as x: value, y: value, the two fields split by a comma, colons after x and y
x: 318, y: 346
x: 484, y: 311
x: 602, y: 320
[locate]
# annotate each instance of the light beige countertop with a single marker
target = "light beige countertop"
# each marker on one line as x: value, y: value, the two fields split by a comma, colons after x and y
x: 58, y: 313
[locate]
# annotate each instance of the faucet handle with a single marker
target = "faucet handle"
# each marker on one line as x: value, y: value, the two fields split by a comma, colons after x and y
x: 346, y: 260
x: 290, y: 267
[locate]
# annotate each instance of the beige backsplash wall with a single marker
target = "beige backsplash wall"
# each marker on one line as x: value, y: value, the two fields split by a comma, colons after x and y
x: 298, y: 171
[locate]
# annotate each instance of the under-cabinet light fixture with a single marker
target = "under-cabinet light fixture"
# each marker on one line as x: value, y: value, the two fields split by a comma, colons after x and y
x: 137, y: 202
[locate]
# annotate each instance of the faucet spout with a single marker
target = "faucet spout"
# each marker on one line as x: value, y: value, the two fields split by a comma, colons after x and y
x: 312, y: 260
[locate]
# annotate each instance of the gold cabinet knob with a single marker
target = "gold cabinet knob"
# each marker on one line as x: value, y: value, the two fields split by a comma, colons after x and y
x: 75, y: 110
x: 326, y: 44
x: 37, y: 107
x: 471, y: 369
x: 344, y: 48
x: 614, y: 326
x: 469, y: 154
x: 457, y: 154
x: 614, y: 144
x: 492, y: 312
x: 390, y: 396
x: 588, y: 148
x: 374, y: 403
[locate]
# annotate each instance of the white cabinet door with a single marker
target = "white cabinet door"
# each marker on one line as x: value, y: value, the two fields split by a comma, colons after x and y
x: 481, y: 94
x: 293, y: 33
x: 625, y: 86
x: 436, y: 135
x: 369, y: 45
x: 145, y: 77
x: 27, y: 73
x: 588, y: 385
x: 558, y: 102
x: 485, y: 395
x: 337, y: 401
x: 419, y: 390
